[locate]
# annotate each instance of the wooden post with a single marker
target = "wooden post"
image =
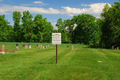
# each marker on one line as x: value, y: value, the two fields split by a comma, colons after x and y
x: 56, y: 53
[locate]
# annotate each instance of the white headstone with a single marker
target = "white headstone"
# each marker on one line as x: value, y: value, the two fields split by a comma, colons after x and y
x: 112, y: 47
x: 29, y: 46
x: 17, y: 47
x: 42, y: 47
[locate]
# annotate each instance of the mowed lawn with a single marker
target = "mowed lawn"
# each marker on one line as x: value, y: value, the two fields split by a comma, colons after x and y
x: 40, y: 64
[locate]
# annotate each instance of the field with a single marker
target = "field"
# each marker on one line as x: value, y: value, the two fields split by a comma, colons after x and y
x: 40, y: 64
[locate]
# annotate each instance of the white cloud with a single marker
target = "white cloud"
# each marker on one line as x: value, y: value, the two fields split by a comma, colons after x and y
x: 36, y: 3
x: 5, y: 9
x: 40, y: 2
x: 94, y: 9
x: 84, y: 5
x: 1, y: 0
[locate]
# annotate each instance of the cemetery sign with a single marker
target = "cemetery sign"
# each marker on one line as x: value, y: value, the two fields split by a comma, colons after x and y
x: 56, y: 38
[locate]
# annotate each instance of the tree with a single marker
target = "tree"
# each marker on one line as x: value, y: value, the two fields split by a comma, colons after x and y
x: 70, y: 25
x: 87, y: 30
x: 40, y: 27
x: 27, y: 27
x: 111, y: 27
x: 16, y: 18
x: 100, y: 22
x: 48, y: 32
x: 3, y: 29
x: 10, y: 37
x: 62, y: 29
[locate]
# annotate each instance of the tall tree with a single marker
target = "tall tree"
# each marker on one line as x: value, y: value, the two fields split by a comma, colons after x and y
x: 16, y: 18
x: 111, y: 27
x: 62, y: 29
x: 39, y: 25
x: 87, y: 30
x: 27, y: 27
x: 4, y: 29
x: 48, y: 32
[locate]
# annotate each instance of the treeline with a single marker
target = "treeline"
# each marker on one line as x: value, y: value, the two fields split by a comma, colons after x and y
x: 96, y: 32
x: 31, y: 30
x: 83, y: 29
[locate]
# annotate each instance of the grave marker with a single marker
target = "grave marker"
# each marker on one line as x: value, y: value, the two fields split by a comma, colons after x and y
x: 26, y: 46
x: 76, y: 47
x: 72, y: 47
x: 15, y: 50
x: 42, y: 47
x: 48, y: 46
x: 112, y: 47
x: 17, y: 46
x: 23, y: 46
x: 29, y: 46
x: 2, y: 49
x: 117, y: 48
x: 7, y: 51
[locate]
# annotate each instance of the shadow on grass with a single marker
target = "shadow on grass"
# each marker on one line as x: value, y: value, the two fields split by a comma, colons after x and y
x: 97, y: 47
x: 47, y: 63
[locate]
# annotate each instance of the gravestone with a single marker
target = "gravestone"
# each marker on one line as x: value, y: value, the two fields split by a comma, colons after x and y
x: 17, y: 46
x: 39, y: 45
x: 2, y: 49
x: 76, y: 47
x: 42, y: 47
x: 72, y: 47
x: 15, y: 50
x: 23, y: 46
x: 112, y: 47
x: 117, y: 48
x: 7, y: 51
x: 29, y: 46
x: 26, y: 46
x: 48, y: 46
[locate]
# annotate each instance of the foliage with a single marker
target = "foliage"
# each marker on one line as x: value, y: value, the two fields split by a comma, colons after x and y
x: 62, y: 29
x: 27, y: 28
x: 111, y: 27
x: 16, y: 18
x: 87, y: 30
x: 5, y: 29
x: 83, y: 29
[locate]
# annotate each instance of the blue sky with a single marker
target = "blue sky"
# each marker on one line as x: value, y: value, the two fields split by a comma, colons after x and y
x: 53, y: 9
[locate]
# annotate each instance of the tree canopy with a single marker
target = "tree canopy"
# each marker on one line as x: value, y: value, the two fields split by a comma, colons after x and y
x: 83, y: 28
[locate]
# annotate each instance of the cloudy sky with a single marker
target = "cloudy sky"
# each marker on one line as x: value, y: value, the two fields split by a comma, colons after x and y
x: 53, y: 9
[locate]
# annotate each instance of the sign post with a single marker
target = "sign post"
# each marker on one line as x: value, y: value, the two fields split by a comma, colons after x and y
x: 56, y: 39
x: 56, y: 53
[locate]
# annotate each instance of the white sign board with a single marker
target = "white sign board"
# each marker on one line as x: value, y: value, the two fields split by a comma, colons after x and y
x: 56, y: 38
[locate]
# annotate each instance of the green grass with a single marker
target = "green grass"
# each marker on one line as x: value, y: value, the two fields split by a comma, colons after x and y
x: 40, y: 64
